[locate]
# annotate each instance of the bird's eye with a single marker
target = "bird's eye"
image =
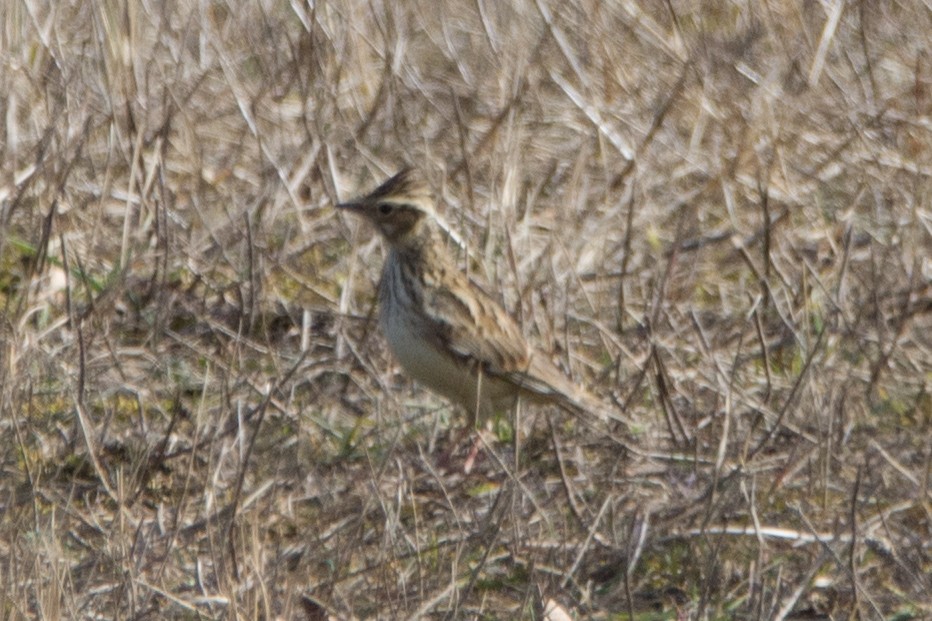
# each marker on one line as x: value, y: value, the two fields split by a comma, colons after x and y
x: 385, y: 209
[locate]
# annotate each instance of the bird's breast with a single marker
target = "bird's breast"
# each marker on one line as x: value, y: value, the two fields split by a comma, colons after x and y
x: 417, y: 350
x: 424, y: 362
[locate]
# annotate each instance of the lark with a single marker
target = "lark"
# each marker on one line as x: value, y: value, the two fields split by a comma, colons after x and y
x: 446, y: 332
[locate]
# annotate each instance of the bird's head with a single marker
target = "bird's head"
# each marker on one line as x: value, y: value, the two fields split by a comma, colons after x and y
x: 400, y: 209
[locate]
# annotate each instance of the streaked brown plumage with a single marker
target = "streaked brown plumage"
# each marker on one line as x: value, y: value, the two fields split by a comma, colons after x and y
x: 446, y: 332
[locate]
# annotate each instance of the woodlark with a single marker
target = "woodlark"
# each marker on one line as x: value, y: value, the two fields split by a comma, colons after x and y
x: 446, y: 332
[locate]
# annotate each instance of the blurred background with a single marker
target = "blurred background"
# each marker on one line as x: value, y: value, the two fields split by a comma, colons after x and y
x: 715, y: 215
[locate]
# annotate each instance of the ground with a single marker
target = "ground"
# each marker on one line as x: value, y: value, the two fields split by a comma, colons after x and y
x: 714, y: 215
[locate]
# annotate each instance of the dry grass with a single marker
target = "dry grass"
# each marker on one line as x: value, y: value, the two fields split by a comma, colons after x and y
x: 716, y: 213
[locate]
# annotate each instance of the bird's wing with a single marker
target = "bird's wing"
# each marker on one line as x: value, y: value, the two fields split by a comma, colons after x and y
x: 468, y: 322
x: 473, y: 326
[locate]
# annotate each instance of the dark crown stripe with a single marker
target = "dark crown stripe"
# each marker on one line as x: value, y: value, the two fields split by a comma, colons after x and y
x: 405, y: 184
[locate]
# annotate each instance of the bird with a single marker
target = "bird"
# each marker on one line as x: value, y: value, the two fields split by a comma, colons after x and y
x: 445, y: 331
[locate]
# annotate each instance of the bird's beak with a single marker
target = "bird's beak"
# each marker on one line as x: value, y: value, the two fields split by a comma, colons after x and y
x: 352, y: 207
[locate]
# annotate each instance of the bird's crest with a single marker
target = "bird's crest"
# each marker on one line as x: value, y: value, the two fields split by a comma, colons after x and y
x: 406, y: 186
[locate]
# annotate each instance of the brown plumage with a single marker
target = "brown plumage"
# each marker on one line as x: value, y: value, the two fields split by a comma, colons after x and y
x: 446, y: 332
